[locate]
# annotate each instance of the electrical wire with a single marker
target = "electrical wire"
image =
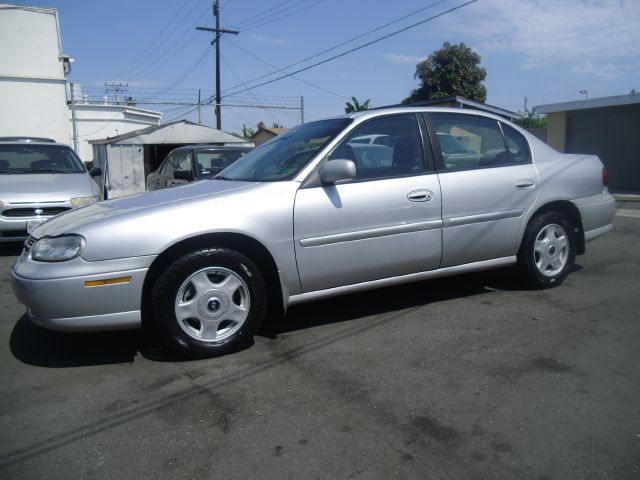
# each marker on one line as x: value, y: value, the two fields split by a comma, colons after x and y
x: 359, y: 47
x: 317, y: 87
x: 262, y: 23
x: 166, y: 36
x: 311, y: 57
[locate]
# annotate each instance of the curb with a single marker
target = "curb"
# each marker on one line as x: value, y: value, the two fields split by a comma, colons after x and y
x: 626, y: 197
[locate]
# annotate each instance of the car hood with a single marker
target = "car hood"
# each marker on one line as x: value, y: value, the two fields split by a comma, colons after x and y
x: 44, y: 187
x: 190, y: 192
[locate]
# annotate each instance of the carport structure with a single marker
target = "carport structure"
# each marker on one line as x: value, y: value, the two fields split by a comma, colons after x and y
x: 608, y: 127
x: 127, y: 159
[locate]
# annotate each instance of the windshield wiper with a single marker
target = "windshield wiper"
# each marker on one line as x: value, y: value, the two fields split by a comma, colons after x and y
x: 222, y: 177
x: 48, y: 170
x: 9, y: 172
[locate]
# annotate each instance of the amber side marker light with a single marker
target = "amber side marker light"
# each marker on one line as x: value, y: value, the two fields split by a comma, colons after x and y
x: 108, y: 281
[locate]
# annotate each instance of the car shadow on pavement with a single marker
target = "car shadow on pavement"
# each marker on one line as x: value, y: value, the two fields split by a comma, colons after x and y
x: 37, y: 346
x: 10, y: 249
x: 380, y: 301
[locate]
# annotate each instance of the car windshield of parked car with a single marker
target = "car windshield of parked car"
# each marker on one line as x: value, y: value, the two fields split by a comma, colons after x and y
x: 284, y: 156
x: 19, y: 159
x: 212, y: 162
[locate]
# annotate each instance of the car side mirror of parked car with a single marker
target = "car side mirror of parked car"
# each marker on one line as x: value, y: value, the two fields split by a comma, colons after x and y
x: 95, y: 171
x: 339, y: 170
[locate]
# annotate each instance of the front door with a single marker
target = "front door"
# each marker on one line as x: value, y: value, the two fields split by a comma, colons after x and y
x: 384, y: 223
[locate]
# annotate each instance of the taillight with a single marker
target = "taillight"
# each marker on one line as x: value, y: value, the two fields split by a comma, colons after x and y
x: 605, y: 177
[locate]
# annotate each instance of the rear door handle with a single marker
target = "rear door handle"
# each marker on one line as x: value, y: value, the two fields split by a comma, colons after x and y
x: 525, y: 184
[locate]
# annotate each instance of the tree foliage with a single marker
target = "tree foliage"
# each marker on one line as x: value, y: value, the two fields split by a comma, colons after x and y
x: 356, y: 106
x: 529, y: 118
x: 450, y: 71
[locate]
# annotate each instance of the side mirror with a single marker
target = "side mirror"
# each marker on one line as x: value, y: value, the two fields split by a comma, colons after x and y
x: 95, y: 171
x: 335, y: 171
x: 183, y: 175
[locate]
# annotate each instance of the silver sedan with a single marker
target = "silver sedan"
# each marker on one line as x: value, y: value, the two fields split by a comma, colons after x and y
x: 316, y: 213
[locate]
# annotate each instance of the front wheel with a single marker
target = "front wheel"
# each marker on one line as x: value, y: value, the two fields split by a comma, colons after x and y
x: 209, y: 302
x: 548, y: 250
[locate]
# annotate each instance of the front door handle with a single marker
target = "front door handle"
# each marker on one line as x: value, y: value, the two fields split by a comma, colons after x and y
x: 525, y: 184
x: 420, y: 195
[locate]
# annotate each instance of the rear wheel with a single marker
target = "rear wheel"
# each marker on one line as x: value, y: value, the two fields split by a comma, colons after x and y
x: 548, y: 250
x: 209, y: 302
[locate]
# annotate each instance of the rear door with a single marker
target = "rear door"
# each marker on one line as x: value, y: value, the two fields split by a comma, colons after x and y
x: 487, y: 188
x: 385, y: 223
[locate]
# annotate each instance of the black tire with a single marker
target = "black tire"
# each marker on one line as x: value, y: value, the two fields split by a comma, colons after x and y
x: 197, y: 314
x: 544, y: 265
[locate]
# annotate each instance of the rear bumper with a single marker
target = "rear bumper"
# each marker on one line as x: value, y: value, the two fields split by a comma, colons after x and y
x: 597, y: 213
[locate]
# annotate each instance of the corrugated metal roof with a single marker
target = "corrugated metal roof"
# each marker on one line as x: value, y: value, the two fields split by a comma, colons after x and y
x: 602, y: 102
x: 181, y: 131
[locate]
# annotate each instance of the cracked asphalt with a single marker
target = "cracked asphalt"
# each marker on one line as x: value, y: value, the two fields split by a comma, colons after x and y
x: 465, y: 377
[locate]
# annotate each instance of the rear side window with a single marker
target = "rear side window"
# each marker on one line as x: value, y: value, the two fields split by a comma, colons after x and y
x: 469, y: 141
x: 518, y: 146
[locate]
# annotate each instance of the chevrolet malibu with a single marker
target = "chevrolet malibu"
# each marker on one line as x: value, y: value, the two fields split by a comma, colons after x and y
x: 312, y: 214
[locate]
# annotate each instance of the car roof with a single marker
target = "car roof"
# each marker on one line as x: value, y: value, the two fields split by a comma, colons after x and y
x: 27, y: 139
x: 33, y: 142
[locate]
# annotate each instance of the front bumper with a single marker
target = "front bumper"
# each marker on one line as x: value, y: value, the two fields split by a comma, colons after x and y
x: 60, y: 299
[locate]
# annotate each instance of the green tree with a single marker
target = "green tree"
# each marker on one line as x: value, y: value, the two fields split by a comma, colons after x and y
x: 450, y: 71
x: 529, y: 118
x: 356, y: 106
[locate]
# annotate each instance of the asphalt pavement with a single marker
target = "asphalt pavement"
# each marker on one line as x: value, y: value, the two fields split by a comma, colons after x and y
x: 466, y: 377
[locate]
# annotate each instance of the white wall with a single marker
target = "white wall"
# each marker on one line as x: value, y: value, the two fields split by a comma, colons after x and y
x: 95, y: 122
x: 32, y: 82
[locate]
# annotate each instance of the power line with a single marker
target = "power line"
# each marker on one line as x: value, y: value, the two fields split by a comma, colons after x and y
x: 261, y: 22
x: 262, y: 14
x: 356, y: 48
x: 342, y: 97
x: 166, y: 36
x: 337, y: 45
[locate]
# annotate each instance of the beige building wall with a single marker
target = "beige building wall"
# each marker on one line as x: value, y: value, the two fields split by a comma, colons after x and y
x: 557, y: 130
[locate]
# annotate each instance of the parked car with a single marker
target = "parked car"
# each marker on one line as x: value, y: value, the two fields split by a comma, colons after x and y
x: 39, y: 178
x: 298, y: 219
x: 193, y: 162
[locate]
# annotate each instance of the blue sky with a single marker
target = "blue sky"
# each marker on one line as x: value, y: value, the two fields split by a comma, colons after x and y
x: 546, y: 50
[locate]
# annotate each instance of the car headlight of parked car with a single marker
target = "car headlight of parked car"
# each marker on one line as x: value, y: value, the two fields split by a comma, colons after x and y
x: 57, y: 249
x: 83, y: 201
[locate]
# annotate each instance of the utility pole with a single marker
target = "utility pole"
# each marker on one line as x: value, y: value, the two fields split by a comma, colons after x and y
x: 301, y: 109
x: 199, y: 117
x: 74, y: 119
x: 218, y: 31
x: 117, y: 89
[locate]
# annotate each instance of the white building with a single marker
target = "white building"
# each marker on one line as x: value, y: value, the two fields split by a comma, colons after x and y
x: 104, y: 120
x: 33, y: 100
x: 34, y: 95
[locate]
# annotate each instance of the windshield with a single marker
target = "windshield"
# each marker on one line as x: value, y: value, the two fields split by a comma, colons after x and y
x: 284, y: 156
x: 31, y: 158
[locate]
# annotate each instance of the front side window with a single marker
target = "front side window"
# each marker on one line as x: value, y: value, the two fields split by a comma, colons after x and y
x: 178, y: 160
x: 285, y: 155
x: 469, y: 141
x: 39, y: 159
x: 393, y: 148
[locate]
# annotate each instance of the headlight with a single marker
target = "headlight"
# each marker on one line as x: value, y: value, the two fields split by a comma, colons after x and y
x: 57, y: 249
x: 83, y: 201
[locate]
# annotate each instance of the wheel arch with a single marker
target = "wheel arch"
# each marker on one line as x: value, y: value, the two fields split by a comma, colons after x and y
x: 572, y: 213
x: 244, y: 244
